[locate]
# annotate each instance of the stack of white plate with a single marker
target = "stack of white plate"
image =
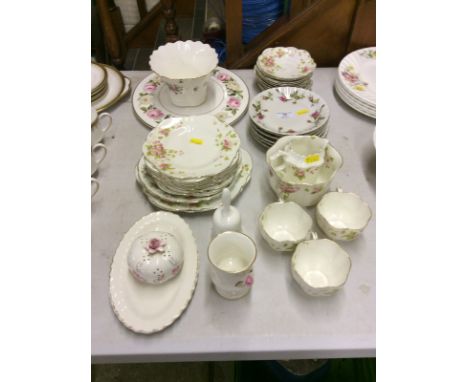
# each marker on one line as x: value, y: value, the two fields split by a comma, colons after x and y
x: 188, y: 161
x: 280, y: 66
x: 108, y: 86
x: 356, y: 83
x: 283, y: 111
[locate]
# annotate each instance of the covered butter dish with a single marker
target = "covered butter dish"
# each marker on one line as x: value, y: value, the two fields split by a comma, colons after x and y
x: 155, y: 257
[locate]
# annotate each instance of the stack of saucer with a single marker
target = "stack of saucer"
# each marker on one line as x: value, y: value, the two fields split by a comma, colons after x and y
x: 188, y: 161
x: 278, y: 67
x: 98, y: 81
x: 279, y: 112
x: 355, y: 83
x: 108, y: 86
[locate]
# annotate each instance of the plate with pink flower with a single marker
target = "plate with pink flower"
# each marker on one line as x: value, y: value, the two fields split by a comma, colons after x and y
x: 357, y: 75
x: 289, y: 111
x: 227, y: 99
x: 191, y: 147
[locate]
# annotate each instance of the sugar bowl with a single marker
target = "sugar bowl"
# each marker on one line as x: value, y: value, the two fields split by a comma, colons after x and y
x: 155, y: 257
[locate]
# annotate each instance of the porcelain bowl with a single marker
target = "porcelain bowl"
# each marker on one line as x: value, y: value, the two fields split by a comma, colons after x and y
x: 155, y: 257
x: 320, y: 267
x: 185, y: 66
x: 342, y: 215
x: 284, y: 224
x: 305, y: 187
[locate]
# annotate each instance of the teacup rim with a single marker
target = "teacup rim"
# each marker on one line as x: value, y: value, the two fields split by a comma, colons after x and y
x: 354, y: 228
x: 246, y: 268
x: 330, y: 286
x: 281, y: 202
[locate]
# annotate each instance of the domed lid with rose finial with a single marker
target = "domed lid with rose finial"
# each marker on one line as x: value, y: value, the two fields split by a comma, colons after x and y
x: 155, y: 257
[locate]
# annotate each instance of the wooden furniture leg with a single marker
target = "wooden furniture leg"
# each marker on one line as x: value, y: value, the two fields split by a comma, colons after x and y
x: 171, y: 28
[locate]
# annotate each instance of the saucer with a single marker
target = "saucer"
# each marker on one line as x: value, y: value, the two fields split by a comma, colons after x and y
x: 227, y: 99
x: 118, y: 87
x: 236, y: 188
x: 145, y: 308
x: 289, y: 110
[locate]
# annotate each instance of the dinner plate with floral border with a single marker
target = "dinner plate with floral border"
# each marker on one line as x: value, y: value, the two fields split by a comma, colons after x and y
x: 289, y: 110
x: 145, y: 308
x: 191, y: 147
x: 356, y: 73
x: 227, y: 99
x: 236, y: 189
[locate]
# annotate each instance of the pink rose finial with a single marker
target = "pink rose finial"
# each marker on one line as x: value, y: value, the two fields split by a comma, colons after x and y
x: 249, y: 281
x: 155, y: 246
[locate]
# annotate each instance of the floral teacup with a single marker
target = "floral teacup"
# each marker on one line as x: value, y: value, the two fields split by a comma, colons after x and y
x: 186, y: 67
x: 232, y: 255
x: 342, y: 215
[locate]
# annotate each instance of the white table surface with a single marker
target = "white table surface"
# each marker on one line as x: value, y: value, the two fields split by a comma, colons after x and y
x: 276, y: 320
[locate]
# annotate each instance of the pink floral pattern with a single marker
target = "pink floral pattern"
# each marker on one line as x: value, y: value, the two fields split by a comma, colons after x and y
x: 249, y: 281
x: 233, y: 102
x: 157, y: 149
x: 223, y: 77
x: 155, y: 113
x: 350, y: 76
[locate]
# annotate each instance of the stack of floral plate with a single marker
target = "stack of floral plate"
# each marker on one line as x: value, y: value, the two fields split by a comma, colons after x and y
x: 108, y: 86
x: 355, y: 83
x: 188, y: 161
x: 278, y: 67
x: 284, y: 111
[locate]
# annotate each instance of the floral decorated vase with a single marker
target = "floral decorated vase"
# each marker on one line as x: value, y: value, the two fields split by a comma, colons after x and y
x: 305, y: 186
x: 155, y: 257
x: 185, y: 67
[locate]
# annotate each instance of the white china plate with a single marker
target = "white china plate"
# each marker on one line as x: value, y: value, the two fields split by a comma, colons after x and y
x: 235, y: 188
x: 205, y: 187
x: 98, y: 76
x: 117, y: 87
x: 227, y: 99
x: 274, y: 82
x: 356, y: 73
x: 353, y: 99
x: 191, y: 147
x: 286, y: 63
x: 265, y: 141
x: 289, y: 110
x: 346, y: 99
x: 155, y: 188
x: 145, y: 308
